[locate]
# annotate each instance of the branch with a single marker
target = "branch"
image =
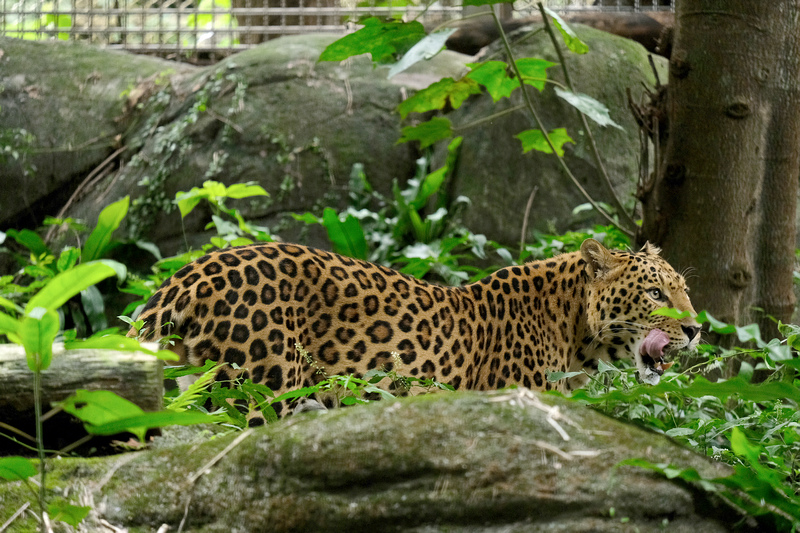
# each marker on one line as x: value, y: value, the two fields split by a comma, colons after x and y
x: 589, y: 135
x: 540, y: 125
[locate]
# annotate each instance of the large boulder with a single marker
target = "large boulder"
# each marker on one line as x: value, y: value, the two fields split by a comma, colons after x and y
x: 498, y: 178
x: 274, y: 115
x: 505, y: 461
x: 59, y: 105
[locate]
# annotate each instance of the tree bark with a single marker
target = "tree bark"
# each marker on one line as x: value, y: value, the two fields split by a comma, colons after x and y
x: 723, y: 200
x: 136, y: 377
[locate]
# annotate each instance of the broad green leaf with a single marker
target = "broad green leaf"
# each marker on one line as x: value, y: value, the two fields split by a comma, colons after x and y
x: 67, y: 284
x: 425, y: 49
x: 749, y: 333
x: 602, y: 367
x: 36, y: 333
x: 30, y: 240
x: 105, y: 413
x: 68, y: 259
x: 430, y: 185
x: 438, y: 95
x: 70, y: 514
x: 94, y: 308
x: 346, y: 237
x: 556, y: 376
x: 308, y: 218
x: 16, y: 468
x: 680, y: 432
x: 670, y: 472
x: 139, y: 424
x: 588, y: 106
x: 535, y: 140
x: 119, y: 343
x: 429, y: 132
x: 245, y: 190
x: 762, y: 392
x: 187, y: 201
x: 382, y: 40
x: 494, y: 75
x: 570, y: 38
x: 97, y: 408
x: 534, y: 71
x: 107, y: 223
x: 8, y: 324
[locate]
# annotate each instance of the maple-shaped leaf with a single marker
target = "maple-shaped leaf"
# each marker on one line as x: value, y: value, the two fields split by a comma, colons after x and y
x: 439, y: 94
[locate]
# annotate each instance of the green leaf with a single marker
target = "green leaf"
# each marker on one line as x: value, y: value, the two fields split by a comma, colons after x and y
x: 308, y: 218
x: 105, y: 413
x: 8, y: 324
x: 570, y: 38
x: 30, y: 240
x: 429, y: 132
x: 556, y: 376
x: 107, y: 223
x: 245, y: 190
x: 119, y: 343
x: 671, y: 472
x: 534, y: 71
x: 70, y: 514
x: 494, y: 75
x: 346, y: 237
x: 68, y: 259
x: 602, y: 367
x: 535, y: 140
x: 762, y: 392
x: 67, y: 284
x: 438, y: 95
x: 679, y: 432
x: 588, y: 106
x: 36, y: 333
x: 97, y: 408
x: 143, y: 422
x: 425, y: 49
x: 382, y: 40
x: 430, y: 185
x: 16, y: 468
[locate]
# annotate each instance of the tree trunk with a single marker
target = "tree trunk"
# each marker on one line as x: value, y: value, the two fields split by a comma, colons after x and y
x: 724, y: 197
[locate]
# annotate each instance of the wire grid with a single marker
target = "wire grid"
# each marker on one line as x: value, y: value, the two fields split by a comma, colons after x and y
x: 190, y: 27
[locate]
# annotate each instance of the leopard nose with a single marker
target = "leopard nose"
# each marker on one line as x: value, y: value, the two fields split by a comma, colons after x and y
x: 691, y: 331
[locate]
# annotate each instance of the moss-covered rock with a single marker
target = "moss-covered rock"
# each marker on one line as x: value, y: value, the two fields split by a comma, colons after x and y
x: 506, y: 461
x: 274, y: 115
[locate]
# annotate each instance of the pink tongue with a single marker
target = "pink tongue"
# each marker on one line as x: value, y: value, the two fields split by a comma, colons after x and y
x: 653, y: 345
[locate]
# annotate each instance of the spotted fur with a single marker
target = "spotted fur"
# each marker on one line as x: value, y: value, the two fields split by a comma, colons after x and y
x: 250, y: 305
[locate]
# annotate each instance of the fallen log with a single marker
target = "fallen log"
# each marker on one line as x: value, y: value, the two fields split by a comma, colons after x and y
x: 644, y: 28
x: 137, y: 377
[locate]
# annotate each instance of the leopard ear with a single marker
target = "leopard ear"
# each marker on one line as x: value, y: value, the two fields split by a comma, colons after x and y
x: 650, y: 249
x: 599, y: 259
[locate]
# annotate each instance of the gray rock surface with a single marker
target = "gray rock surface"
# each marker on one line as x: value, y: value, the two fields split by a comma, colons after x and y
x: 498, y: 178
x: 505, y: 461
x: 274, y: 115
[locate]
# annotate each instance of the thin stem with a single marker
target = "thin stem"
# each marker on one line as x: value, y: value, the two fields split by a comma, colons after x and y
x: 37, y: 405
x: 488, y: 119
x: 540, y: 124
x: 589, y: 135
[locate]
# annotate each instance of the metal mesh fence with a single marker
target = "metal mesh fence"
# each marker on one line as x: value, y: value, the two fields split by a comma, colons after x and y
x: 188, y: 27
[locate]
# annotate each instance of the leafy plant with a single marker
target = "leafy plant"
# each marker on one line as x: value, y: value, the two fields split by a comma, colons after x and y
x: 389, y: 41
x: 754, y: 427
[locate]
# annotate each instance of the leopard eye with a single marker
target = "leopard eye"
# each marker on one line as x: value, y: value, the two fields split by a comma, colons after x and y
x: 655, y: 294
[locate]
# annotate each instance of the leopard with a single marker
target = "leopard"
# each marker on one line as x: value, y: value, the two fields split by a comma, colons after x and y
x: 251, y: 306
